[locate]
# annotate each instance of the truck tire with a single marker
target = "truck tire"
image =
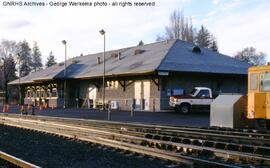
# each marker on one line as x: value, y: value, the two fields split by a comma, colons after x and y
x: 183, y: 108
x: 177, y: 109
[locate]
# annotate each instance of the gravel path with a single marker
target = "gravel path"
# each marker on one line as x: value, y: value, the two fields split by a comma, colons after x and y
x: 50, y: 151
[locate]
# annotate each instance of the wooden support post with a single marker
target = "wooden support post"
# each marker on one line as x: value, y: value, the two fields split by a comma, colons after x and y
x: 157, y: 83
x: 123, y: 85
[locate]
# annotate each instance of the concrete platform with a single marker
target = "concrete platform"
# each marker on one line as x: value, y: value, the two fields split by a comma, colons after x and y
x: 161, y: 118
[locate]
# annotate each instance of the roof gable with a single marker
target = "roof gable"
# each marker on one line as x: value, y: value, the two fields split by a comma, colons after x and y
x: 181, y: 58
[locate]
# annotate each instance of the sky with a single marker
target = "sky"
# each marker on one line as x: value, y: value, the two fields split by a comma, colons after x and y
x: 235, y: 23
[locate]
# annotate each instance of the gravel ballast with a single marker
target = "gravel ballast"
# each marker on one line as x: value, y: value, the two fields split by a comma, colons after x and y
x: 51, y: 151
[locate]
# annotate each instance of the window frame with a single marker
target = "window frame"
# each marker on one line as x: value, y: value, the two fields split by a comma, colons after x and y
x: 252, y: 79
x: 261, y: 82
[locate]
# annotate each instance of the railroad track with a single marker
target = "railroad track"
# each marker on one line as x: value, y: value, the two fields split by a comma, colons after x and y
x: 16, y: 162
x: 192, y: 146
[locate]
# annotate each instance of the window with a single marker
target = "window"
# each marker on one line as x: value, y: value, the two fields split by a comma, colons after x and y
x: 42, y: 93
x: 48, y: 93
x: 253, y: 81
x: 265, y: 82
x: 54, y: 92
x: 38, y: 93
x: 112, y: 85
x: 203, y: 93
x: 193, y: 91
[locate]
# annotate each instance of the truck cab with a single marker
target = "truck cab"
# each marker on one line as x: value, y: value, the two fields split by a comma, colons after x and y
x: 199, y: 98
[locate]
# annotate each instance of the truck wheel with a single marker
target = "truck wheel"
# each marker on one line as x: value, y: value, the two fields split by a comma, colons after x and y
x: 177, y: 109
x: 184, y: 108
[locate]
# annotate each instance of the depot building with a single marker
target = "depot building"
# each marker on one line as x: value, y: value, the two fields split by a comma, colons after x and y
x: 145, y: 75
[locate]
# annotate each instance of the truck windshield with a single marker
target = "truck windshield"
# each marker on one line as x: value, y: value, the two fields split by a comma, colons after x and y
x: 193, y: 91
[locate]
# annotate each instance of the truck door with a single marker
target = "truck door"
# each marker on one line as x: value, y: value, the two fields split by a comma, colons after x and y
x: 204, y: 98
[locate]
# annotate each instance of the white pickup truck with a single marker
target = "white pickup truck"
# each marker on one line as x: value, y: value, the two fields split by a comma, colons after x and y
x: 199, y: 98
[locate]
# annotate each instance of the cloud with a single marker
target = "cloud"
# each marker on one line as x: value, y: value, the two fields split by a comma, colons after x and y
x: 215, y: 2
x: 236, y: 30
x: 18, y: 24
x: 79, y: 26
x: 212, y: 13
x: 125, y: 27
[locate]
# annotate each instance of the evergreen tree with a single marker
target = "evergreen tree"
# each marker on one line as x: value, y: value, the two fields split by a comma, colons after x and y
x: 25, y: 58
x: 10, y: 69
x: 214, y: 46
x: 205, y: 39
x: 50, y: 60
x: 36, y: 57
x: 141, y: 43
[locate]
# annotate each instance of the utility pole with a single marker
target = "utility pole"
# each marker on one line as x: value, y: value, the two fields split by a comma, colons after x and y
x: 65, y: 73
x: 102, y: 32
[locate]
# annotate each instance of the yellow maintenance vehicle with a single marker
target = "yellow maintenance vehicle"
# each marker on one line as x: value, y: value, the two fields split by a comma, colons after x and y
x: 259, y: 94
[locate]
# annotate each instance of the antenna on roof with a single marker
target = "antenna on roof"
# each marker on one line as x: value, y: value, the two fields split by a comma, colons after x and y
x: 119, y: 56
x: 98, y: 60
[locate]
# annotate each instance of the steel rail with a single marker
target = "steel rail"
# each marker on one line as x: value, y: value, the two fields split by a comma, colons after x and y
x: 99, y: 138
x: 250, y: 133
x: 199, y: 139
x: 227, y: 136
x: 188, y: 138
x: 16, y: 161
x: 74, y: 132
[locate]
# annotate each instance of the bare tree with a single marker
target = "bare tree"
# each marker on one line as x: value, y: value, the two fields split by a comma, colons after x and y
x: 7, y: 48
x: 251, y: 56
x: 180, y: 27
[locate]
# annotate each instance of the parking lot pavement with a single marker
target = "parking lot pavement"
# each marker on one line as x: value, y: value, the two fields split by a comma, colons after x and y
x: 161, y: 118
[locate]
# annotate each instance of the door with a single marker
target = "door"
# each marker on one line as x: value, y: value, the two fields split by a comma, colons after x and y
x: 267, y: 106
x: 138, y: 95
x: 260, y: 105
x: 146, y: 95
x: 92, y: 95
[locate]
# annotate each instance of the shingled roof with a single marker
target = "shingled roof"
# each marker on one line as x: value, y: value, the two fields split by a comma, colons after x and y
x: 171, y: 55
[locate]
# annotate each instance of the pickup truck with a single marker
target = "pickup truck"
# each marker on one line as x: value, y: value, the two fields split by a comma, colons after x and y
x: 199, y: 98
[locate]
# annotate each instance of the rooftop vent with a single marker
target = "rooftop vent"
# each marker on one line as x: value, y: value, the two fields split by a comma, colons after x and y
x: 114, y: 55
x: 61, y: 64
x: 98, y: 60
x: 138, y: 51
x: 75, y: 61
x: 196, y: 49
x: 119, y: 56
